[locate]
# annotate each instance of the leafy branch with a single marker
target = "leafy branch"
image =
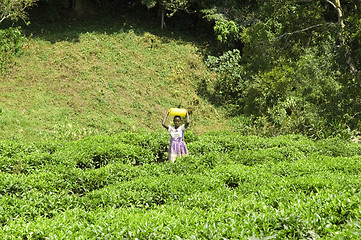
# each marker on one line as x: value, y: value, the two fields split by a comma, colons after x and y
x: 300, y: 30
x: 14, y: 9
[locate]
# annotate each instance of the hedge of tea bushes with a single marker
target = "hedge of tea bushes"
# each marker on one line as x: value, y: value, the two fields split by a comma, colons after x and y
x: 230, y: 187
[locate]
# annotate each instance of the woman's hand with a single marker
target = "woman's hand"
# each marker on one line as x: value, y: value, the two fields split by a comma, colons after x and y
x: 187, y: 120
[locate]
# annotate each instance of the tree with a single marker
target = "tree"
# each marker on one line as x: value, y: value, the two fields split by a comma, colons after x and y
x: 172, y: 6
x: 14, y: 9
x: 11, y: 39
x: 337, y: 5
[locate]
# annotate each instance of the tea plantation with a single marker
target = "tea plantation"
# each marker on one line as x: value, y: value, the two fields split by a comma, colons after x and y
x: 230, y: 187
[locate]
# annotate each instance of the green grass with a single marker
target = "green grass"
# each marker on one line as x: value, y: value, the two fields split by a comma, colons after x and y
x: 104, y: 76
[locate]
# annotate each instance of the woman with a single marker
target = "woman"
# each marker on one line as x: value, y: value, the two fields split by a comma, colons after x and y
x: 177, y: 146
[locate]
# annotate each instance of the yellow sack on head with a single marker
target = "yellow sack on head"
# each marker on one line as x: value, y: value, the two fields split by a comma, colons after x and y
x: 178, y: 112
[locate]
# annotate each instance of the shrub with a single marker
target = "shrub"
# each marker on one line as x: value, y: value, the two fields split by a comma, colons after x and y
x: 96, y: 152
x: 17, y: 157
x: 337, y: 147
x: 11, y: 44
x: 148, y: 192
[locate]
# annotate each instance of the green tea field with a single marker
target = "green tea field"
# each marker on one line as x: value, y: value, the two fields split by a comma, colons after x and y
x: 230, y: 187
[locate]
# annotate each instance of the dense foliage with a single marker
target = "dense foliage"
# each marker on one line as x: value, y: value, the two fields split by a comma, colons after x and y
x: 292, y: 65
x: 11, y: 39
x: 231, y: 187
x: 11, y: 46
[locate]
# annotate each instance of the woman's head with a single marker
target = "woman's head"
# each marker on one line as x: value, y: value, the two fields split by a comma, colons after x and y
x: 177, y: 120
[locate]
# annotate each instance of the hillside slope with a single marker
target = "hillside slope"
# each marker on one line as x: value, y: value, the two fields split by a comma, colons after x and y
x: 81, y: 78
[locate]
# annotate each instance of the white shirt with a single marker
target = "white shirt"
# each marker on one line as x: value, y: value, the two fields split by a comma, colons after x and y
x: 176, y: 132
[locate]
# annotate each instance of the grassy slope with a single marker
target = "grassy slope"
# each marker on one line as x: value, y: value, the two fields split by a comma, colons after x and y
x: 76, y: 79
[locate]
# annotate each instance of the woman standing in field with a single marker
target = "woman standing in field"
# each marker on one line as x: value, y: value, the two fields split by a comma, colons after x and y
x: 177, y: 147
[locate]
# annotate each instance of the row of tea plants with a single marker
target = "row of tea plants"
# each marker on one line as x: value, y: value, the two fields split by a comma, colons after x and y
x: 230, y: 187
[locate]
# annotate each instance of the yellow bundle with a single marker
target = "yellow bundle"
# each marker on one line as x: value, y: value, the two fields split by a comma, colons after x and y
x: 178, y: 112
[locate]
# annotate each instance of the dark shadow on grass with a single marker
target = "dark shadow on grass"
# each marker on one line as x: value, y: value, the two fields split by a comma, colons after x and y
x: 64, y: 25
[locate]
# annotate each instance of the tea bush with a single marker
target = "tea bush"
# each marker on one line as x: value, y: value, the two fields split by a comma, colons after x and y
x: 230, y: 187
